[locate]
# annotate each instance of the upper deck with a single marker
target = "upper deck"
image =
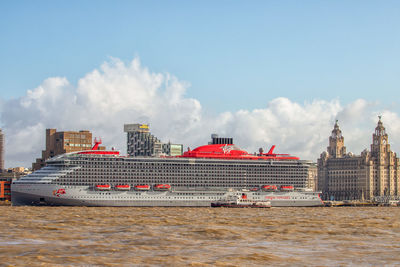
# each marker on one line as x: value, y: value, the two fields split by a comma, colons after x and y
x: 230, y: 151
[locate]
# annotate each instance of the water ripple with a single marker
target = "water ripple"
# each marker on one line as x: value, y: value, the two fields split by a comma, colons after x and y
x: 81, y: 236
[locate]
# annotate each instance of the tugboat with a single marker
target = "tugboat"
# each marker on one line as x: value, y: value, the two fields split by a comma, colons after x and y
x: 240, y: 202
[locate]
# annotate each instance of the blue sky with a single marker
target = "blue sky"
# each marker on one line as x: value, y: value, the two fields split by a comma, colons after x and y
x: 263, y: 72
x: 235, y: 54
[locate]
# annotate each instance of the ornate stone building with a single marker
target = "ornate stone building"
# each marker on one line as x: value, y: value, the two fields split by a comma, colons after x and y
x: 372, y: 174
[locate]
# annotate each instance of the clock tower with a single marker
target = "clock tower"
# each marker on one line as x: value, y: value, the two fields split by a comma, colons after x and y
x: 380, y: 145
x: 336, y: 148
x: 383, y: 182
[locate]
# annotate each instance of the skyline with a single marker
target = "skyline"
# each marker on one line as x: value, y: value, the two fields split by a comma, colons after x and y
x: 263, y: 73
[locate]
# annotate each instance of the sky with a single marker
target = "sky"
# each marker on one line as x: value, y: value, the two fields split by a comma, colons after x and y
x: 262, y: 72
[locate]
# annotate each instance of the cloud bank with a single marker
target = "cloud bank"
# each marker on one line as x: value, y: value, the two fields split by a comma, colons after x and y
x: 118, y: 93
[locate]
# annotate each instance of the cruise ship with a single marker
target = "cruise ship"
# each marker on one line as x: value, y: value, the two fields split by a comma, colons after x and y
x: 197, y: 178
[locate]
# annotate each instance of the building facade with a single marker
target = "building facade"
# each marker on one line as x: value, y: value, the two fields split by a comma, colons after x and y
x: 5, y: 187
x: 63, y: 142
x: 6, y: 178
x: 373, y: 174
x: 312, y: 177
x: 1, y: 151
x: 141, y: 143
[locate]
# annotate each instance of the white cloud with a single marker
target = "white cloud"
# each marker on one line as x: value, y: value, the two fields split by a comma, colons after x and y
x: 118, y: 93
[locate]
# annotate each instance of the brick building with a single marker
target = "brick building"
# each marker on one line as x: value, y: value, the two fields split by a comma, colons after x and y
x: 64, y: 142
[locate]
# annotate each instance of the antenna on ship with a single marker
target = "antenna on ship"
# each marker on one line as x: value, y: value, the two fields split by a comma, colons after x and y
x: 97, y: 142
x: 271, y: 150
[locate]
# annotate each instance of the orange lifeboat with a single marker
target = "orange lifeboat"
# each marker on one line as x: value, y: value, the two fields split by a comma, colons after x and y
x: 142, y: 187
x: 287, y: 188
x: 162, y: 187
x: 254, y: 189
x: 123, y: 187
x: 103, y: 187
x: 269, y: 188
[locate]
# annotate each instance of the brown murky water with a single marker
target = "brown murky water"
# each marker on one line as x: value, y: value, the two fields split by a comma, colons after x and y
x: 65, y: 236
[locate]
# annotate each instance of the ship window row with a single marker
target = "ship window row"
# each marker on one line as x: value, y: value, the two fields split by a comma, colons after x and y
x: 184, y: 179
x: 221, y: 178
x: 183, y: 166
x: 184, y: 171
x: 186, y: 164
x: 148, y: 198
x: 237, y: 184
x: 188, y: 183
x: 208, y: 178
x: 192, y: 176
x: 181, y: 178
x: 210, y: 165
x: 89, y: 170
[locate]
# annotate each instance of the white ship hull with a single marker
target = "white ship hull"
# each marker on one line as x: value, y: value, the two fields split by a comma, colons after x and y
x: 56, y: 195
x: 94, y: 178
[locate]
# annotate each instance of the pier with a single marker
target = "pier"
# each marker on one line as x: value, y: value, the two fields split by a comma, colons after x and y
x: 356, y: 203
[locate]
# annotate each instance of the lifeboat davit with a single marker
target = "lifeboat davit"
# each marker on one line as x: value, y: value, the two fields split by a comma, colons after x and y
x: 269, y: 188
x: 142, y: 187
x: 162, y: 187
x: 123, y: 187
x: 287, y: 188
x: 103, y: 187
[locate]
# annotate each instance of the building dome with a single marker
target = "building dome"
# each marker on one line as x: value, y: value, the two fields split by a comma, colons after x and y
x: 336, y: 132
x: 380, y: 130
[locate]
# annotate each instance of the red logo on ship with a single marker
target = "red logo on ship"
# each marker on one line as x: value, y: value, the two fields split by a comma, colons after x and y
x: 59, y: 192
x: 277, y: 197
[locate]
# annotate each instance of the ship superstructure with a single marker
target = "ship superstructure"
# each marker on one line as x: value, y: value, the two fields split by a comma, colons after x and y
x: 197, y: 178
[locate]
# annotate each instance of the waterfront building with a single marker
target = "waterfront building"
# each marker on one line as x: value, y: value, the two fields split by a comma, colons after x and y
x: 1, y: 151
x: 20, y: 170
x: 312, y: 182
x: 141, y: 143
x: 172, y: 149
x: 373, y: 174
x: 6, y: 178
x: 64, y: 142
x: 5, y: 188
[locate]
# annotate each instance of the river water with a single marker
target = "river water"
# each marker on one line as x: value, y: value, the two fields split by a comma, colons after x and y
x: 91, y: 236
